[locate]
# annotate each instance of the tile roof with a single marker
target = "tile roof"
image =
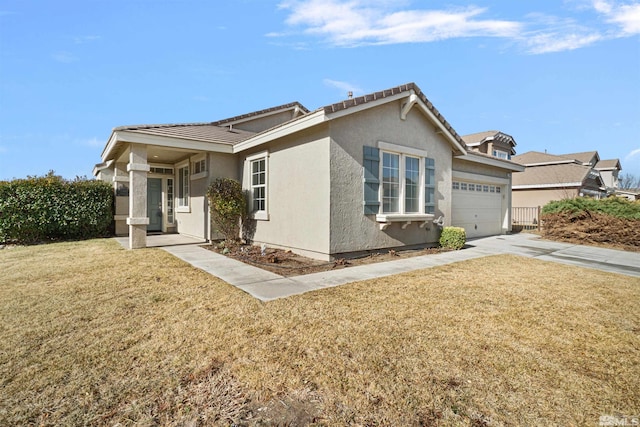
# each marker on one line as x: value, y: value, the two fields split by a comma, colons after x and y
x: 478, y: 137
x: 537, y: 158
x: 242, y: 117
x: 583, y: 157
x: 353, y: 102
x: 206, y: 132
x: 608, y: 164
x: 552, y: 174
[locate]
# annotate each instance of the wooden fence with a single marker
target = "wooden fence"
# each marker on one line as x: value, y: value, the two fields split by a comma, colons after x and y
x: 525, y: 218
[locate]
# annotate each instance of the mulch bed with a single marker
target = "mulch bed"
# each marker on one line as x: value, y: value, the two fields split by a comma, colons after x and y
x: 287, y: 263
x: 592, y: 228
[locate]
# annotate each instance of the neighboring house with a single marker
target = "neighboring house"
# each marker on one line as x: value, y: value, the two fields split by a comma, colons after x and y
x: 493, y: 143
x: 609, y: 171
x: 550, y: 177
x: 384, y: 170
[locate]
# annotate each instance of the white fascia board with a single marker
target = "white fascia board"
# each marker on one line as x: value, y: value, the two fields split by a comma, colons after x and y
x: 111, y: 143
x: 475, y: 177
x: 170, y: 142
x: 555, y: 162
x: 302, y: 123
x: 492, y: 162
x: 555, y: 185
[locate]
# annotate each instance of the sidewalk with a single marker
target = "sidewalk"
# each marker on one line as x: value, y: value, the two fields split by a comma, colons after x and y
x: 268, y: 286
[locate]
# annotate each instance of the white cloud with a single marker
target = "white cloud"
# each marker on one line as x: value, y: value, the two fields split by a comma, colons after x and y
x: 64, y: 57
x: 342, y: 86
x: 625, y: 16
x: 92, y: 142
x: 354, y: 23
x: 633, y: 154
x: 86, y: 39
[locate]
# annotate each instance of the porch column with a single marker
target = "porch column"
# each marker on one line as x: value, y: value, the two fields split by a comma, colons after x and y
x: 138, y: 219
x: 121, y: 189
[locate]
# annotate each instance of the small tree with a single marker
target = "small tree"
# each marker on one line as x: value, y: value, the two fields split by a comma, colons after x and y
x: 628, y: 181
x: 228, y: 206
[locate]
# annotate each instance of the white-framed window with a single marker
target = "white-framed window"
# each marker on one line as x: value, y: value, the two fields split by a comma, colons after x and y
x: 199, y: 167
x: 399, y: 184
x: 258, y: 177
x: 501, y: 154
x: 169, y: 200
x: 404, y: 188
x: 390, y: 183
x: 182, y: 190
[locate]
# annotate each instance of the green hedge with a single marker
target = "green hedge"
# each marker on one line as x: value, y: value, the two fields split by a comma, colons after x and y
x: 453, y: 238
x: 614, y: 206
x: 48, y: 208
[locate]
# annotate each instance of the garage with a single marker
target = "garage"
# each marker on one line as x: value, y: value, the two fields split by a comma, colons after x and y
x: 477, y: 207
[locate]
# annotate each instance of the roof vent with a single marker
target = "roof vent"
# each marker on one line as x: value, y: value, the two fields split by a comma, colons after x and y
x: 350, y: 94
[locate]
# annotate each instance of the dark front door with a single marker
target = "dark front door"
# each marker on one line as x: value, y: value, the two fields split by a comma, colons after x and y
x: 154, y: 204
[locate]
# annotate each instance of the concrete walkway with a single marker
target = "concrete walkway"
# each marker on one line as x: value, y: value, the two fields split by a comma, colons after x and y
x: 267, y: 286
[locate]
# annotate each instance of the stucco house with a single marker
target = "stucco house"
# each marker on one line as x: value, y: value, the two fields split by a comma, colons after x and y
x: 384, y: 170
x: 550, y: 177
x: 491, y: 142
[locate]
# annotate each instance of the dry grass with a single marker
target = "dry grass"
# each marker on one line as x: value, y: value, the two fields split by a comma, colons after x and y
x: 93, y: 334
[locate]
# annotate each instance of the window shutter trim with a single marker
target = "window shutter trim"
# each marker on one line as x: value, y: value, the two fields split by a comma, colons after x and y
x: 429, y: 185
x: 371, y: 181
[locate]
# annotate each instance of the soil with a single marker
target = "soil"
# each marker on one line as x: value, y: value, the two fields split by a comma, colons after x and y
x: 592, y: 228
x: 287, y: 263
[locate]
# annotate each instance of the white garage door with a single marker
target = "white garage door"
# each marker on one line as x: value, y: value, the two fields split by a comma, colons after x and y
x: 477, y: 208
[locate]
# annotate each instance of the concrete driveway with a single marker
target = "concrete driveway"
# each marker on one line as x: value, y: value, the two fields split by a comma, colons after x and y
x: 267, y: 286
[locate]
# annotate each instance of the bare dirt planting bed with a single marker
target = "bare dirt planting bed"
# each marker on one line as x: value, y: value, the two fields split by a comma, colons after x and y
x: 287, y: 263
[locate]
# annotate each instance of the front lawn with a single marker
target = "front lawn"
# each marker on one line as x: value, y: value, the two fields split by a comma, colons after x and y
x: 96, y: 335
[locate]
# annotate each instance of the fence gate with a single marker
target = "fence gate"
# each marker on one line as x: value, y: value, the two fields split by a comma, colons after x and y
x: 525, y: 218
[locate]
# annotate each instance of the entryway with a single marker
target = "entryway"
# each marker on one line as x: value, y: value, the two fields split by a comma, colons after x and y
x: 154, y: 204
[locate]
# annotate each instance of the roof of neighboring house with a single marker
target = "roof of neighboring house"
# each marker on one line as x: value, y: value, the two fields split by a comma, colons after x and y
x: 488, y: 135
x: 491, y: 160
x: 609, y: 164
x: 583, y: 157
x: 536, y: 158
x: 192, y: 131
x: 558, y: 175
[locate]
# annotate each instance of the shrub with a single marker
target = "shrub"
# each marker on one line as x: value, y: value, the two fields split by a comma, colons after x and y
x: 46, y: 208
x: 614, y: 206
x: 228, y: 206
x: 453, y: 238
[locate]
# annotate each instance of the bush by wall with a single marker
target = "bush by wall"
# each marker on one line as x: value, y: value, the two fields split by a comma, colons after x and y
x: 615, y: 206
x: 48, y: 208
x: 228, y: 206
x: 453, y: 238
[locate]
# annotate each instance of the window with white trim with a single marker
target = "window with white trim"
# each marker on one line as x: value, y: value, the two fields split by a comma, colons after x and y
x: 183, y: 187
x: 169, y: 200
x: 501, y: 154
x: 258, y: 185
x: 398, y: 184
x: 199, y: 166
x: 404, y: 184
x: 390, y: 183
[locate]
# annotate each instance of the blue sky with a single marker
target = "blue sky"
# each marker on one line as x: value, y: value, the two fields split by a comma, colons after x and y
x: 561, y: 76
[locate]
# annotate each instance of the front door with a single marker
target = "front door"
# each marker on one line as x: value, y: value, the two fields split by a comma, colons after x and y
x: 154, y: 204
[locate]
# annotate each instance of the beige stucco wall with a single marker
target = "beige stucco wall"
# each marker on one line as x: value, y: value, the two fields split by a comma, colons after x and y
x: 196, y: 221
x: 298, y: 193
x: 532, y: 198
x: 351, y: 230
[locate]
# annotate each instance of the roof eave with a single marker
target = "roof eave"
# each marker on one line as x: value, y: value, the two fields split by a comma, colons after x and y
x: 303, y: 122
x: 492, y: 161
